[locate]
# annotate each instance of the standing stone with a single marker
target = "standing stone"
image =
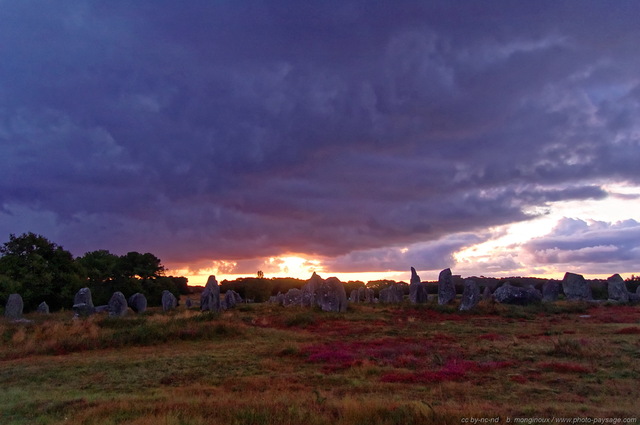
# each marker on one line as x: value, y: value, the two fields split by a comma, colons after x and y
x: 617, y: 289
x: 507, y: 294
x: 634, y: 297
x: 83, y: 296
x: 576, y: 288
x: 169, y: 301
x: 210, y: 298
x: 138, y: 302
x: 353, y: 297
x: 310, y: 291
x: 550, y: 291
x: 293, y: 297
x: 369, y: 296
x: 486, y: 294
x: 280, y: 298
x: 83, y: 304
x: 446, y: 287
x: 392, y: 294
x: 231, y: 299
x: 470, y: 296
x: 14, y: 307
x: 366, y: 295
x: 331, y: 296
x: 188, y: 303
x: 43, y: 308
x: 117, y: 305
x: 417, y: 291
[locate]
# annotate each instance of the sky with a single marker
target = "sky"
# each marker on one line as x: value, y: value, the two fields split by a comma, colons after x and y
x: 351, y: 138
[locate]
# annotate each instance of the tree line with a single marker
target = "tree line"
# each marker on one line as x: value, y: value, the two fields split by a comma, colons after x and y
x: 40, y: 270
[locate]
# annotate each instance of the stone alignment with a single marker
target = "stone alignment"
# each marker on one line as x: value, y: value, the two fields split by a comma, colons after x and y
x: 507, y: 294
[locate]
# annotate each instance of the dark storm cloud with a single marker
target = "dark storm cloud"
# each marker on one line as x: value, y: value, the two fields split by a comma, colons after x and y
x: 237, y: 130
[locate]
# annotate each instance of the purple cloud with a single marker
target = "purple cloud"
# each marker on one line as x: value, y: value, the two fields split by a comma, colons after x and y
x: 239, y: 131
x: 594, y: 245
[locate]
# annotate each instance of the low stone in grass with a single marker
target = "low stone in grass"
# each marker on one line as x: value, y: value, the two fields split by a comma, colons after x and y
x: 550, y: 291
x: 138, y: 302
x: 169, y: 301
x: 101, y: 308
x: 617, y: 289
x: 576, y: 288
x: 13, y: 308
x: 117, y: 305
x: 417, y: 291
x: 507, y: 294
x: 446, y: 287
x: 231, y: 299
x: 83, y: 310
x: 470, y: 296
x: 210, y: 297
x: 43, y: 308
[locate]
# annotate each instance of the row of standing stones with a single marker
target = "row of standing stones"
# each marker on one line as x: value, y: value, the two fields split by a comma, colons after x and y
x: 119, y: 305
x: 327, y: 294
x: 330, y: 295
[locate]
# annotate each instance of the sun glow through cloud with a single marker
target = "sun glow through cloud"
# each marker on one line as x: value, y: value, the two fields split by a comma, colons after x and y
x: 501, y: 255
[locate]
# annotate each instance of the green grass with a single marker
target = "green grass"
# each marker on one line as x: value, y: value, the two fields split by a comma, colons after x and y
x: 375, y: 364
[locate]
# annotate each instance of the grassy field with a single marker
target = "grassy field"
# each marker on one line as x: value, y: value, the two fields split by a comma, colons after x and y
x: 265, y: 364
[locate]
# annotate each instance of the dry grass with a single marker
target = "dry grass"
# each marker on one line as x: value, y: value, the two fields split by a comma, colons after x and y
x: 263, y: 364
